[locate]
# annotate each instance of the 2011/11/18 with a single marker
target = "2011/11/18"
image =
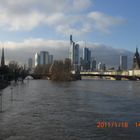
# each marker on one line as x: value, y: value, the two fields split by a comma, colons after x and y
x: 115, y: 124
x: 137, y: 124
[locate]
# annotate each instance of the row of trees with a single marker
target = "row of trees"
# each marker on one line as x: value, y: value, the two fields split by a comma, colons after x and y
x: 61, y: 71
x: 4, y: 78
x: 58, y: 71
x: 42, y: 69
x: 12, y: 71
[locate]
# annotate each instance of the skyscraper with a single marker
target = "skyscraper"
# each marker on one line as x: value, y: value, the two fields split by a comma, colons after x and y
x: 123, y: 62
x: 30, y: 63
x: 93, y: 64
x: 100, y: 66
x: 86, y: 58
x: 71, y: 41
x: 74, y: 54
x: 50, y: 59
x: 44, y: 57
x: 2, y: 58
x: 37, y: 59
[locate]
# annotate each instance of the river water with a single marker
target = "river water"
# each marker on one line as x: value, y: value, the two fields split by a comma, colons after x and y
x: 46, y: 110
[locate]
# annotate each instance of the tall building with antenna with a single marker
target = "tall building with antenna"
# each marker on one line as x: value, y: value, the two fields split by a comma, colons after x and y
x: 74, y: 54
x: 2, y: 58
x: 71, y: 41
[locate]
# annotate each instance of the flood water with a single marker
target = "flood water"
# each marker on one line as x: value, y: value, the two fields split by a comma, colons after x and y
x: 46, y: 110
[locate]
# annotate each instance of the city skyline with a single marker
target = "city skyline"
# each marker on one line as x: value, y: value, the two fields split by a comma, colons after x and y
x: 31, y: 26
x: 99, y: 52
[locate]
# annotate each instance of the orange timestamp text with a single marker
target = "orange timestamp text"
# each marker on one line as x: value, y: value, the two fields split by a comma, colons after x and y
x: 113, y: 124
x: 137, y: 124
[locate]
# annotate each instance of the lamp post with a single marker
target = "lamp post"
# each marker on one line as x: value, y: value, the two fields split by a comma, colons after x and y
x: 1, y: 101
x: 11, y: 92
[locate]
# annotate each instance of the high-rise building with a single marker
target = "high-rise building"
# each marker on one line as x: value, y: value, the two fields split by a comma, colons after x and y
x: 50, y: 59
x: 71, y: 41
x: 86, y: 58
x: 74, y: 54
x: 30, y: 63
x: 81, y: 64
x: 136, y: 60
x: 103, y: 67
x: 93, y: 64
x: 37, y: 59
x: 99, y: 66
x: 2, y: 58
x: 123, y: 62
x: 44, y: 57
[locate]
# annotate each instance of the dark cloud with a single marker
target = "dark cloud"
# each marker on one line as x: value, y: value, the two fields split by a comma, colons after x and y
x: 102, y: 53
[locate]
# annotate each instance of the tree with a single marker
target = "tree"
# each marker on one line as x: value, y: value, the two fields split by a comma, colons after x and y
x: 61, y: 71
x: 42, y: 69
x: 16, y: 71
x: 4, y: 73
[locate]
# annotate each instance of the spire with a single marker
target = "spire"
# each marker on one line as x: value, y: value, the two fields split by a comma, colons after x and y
x: 136, y: 60
x: 71, y: 39
x: 137, y: 53
x: 2, y: 58
x: 136, y: 49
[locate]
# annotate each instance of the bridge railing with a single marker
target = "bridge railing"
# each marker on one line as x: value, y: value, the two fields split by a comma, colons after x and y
x: 122, y: 73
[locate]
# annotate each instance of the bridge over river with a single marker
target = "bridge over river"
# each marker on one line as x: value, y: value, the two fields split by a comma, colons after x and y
x: 128, y: 75
x: 121, y: 75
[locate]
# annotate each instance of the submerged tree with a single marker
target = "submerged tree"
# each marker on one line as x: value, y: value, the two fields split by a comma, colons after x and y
x: 16, y: 71
x: 61, y: 70
x: 42, y: 69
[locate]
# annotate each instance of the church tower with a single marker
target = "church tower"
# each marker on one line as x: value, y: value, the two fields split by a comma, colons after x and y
x: 136, y: 60
x: 2, y: 58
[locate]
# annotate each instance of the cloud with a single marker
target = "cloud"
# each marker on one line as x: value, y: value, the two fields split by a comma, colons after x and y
x: 21, y: 51
x: 81, y: 4
x: 65, y: 16
x: 56, y: 18
x: 50, y: 6
x: 103, y: 22
x: 22, y: 22
x: 32, y: 44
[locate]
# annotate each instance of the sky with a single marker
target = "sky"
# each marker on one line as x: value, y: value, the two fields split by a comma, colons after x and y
x: 27, y: 26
